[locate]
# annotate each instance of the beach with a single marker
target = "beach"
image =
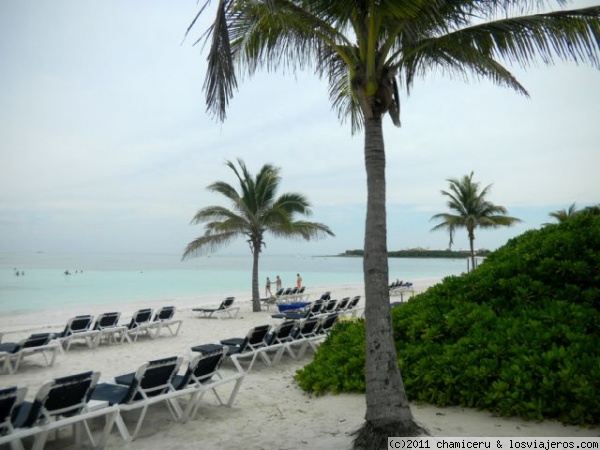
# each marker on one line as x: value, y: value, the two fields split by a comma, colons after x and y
x: 270, y: 410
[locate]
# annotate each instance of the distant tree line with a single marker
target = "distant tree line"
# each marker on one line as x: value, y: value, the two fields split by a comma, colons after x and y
x: 423, y: 253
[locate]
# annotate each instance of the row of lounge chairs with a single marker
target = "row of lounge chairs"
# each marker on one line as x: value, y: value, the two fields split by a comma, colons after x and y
x: 77, y: 399
x: 324, y: 305
x: 291, y: 294
x: 285, y: 297
x: 270, y: 343
x: 400, y: 288
x: 92, y: 332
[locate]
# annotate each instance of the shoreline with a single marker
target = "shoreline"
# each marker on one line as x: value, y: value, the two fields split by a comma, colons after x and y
x: 270, y: 410
x: 19, y: 323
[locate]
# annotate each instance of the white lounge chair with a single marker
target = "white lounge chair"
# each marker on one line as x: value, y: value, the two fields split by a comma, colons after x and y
x: 78, y: 328
x: 138, y: 391
x: 60, y: 403
x: 226, y: 308
x: 12, y: 353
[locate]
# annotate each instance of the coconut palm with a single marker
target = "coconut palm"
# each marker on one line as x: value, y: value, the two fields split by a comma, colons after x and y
x: 564, y: 214
x: 471, y: 210
x: 367, y: 49
x: 255, y: 211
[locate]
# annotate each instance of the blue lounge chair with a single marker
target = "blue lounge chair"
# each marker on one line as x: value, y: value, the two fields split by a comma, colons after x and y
x: 10, y: 401
x: 304, y: 335
x: 203, y: 375
x: 164, y: 318
x: 60, y: 403
x: 277, y: 341
x: 248, y: 346
x: 139, y: 324
x: 226, y: 308
x: 107, y: 325
x: 78, y: 327
x: 139, y: 390
x: 12, y: 353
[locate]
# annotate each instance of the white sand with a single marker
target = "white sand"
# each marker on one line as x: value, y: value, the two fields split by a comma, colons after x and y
x: 270, y: 410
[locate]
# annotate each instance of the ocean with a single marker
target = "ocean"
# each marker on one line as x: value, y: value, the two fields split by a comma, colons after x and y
x: 53, y: 281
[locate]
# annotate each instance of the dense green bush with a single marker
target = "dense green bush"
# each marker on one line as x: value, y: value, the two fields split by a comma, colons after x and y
x: 518, y: 336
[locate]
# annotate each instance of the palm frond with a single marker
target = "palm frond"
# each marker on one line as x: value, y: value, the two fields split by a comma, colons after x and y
x: 569, y: 35
x: 214, y: 213
x: 220, y: 81
x: 300, y: 229
x: 207, y: 244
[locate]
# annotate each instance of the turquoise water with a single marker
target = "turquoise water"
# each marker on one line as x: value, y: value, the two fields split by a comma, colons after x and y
x: 121, y: 278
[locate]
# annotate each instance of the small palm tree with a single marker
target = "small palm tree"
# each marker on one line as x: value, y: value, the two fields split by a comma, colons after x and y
x: 472, y: 210
x: 255, y: 211
x: 564, y: 214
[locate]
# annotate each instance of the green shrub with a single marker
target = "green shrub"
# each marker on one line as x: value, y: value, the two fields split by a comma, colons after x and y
x: 518, y: 336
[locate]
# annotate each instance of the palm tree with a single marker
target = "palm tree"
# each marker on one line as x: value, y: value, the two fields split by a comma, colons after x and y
x: 564, y: 214
x: 472, y: 210
x: 255, y: 212
x: 366, y: 49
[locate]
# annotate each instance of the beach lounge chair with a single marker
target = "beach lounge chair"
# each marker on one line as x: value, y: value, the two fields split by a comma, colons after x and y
x: 218, y: 378
x: 268, y: 301
x: 247, y: 347
x: 304, y: 335
x: 12, y: 353
x: 62, y: 402
x: 203, y: 375
x: 325, y: 296
x: 342, y: 304
x: 139, y: 390
x: 107, y: 325
x: 163, y: 319
x: 327, y: 323
x: 353, y: 309
x: 201, y: 369
x: 292, y: 295
x: 309, y: 335
x: 10, y: 401
x: 306, y: 328
x: 78, y: 327
x: 277, y: 340
x: 329, y: 306
x: 300, y: 293
x: 402, y: 288
x: 140, y: 324
x: 286, y: 293
x: 226, y: 308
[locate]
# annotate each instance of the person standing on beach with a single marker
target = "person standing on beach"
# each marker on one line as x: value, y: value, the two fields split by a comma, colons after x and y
x: 268, y: 288
x: 298, y: 281
x: 278, y: 283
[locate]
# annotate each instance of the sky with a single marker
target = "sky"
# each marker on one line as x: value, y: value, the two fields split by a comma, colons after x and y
x: 106, y: 145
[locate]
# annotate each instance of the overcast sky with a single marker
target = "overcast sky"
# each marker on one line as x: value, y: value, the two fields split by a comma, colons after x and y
x: 105, y: 144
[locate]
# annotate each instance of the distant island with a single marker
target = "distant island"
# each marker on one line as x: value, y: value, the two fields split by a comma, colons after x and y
x: 422, y: 253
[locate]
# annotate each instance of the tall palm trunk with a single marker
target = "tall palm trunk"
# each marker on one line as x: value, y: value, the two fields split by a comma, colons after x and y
x: 388, y: 412
x: 255, y: 291
x: 472, y: 247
